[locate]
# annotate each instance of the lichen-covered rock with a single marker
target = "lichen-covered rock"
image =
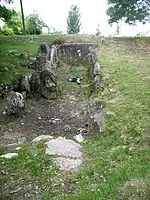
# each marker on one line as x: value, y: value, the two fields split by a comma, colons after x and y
x: 5, y: 89
x: 92, y: 58
x: 97, y: 116
x: 97, y: 68
x: 25, y: 82
x: 74, y: 51
x: 53, y: 56
x: 35, y: 82
x: 48, y: 81
x: 15, y: 103
x: 42, y: 78
x: 42, y: 56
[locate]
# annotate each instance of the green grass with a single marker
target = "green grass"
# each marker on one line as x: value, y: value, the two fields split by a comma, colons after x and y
x: 114, y: 157
x: 65, y: 87
x: 120, y: 154
x: 31, y: 167
x: 13, y: 66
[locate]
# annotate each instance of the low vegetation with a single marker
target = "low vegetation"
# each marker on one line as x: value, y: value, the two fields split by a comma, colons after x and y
x: 111, y: 159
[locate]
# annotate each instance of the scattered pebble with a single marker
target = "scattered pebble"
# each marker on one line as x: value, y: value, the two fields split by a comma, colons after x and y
x: 114, y: 90
x: 4, y: 112
x: 18, y: 148
x: 110, y: 113
x: 9, y: 155
x: 79, y: 138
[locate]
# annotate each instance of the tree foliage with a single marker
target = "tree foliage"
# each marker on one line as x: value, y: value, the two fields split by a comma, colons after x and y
x: 15, y: 23
x: 5, y: 13
x: 130, y: 11
x: 34, y: 24
x: 73, y: 20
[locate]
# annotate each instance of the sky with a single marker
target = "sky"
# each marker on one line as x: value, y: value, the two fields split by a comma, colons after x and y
x: 93, y: 12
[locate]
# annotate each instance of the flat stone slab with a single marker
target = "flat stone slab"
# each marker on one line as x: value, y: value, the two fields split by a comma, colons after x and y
x: 67, y: 164
x: 63, y: 147
x: 40, y: 138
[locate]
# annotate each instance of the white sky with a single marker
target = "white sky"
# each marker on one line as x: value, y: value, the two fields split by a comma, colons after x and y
x: 93, y: 12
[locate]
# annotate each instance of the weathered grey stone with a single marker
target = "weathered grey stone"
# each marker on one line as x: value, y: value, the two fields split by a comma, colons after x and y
x: 35, y: 82
x: 42, y: 56
x: 74, y: 51
x: 53, y: 56
x: 25, y: 82
x: 9, y: 155
x: 15, y: 103
x: 97, y: 118
x: 5, y: 89
x: 40, y: 138
x: 96, y: 82
x: 92, y: 58
x: 68, y: 164
x: 97, y: 69
x: 48, y: 81
x: 63, y: 147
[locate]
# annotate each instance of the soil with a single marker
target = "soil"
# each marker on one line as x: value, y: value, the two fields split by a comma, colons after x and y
x: 59, y: 117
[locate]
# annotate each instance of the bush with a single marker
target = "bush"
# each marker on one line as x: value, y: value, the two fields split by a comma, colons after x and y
x: 7, y: 31
x: 17, y: 30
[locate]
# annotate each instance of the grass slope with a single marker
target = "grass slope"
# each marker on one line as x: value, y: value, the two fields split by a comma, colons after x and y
x: 121, y: 153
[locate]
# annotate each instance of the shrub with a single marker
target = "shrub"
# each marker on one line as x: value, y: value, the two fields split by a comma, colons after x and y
x: 7, y: 31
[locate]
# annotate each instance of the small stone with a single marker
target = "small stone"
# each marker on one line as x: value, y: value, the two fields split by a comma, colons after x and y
x: 6, y: 69
x: 79, y: 138
x: 110, y: 113
x: 39, y: 118
x: 18, y: 148
x: 9, y: 155
x: 114, y: 90
x: 4, y: 112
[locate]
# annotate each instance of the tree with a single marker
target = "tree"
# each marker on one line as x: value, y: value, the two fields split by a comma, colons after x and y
x: 5, y: 13
x: 15, y: 23
x: 34, y: 24
x: 130, y: 11
x: 73, y: 20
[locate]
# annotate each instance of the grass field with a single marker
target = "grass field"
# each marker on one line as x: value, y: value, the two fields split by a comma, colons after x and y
x: 111, y: 159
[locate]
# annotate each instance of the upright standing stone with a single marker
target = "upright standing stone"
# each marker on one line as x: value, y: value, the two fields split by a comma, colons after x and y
x: 15, y: 103
x: 97, y: 116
